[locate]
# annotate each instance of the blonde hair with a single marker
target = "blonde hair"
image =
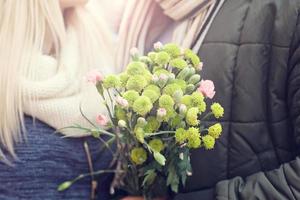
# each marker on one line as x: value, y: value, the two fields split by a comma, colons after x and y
x: 23, y: 29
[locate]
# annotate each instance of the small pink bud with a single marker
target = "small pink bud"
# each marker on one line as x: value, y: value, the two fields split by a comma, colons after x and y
x: 163, y: 77
x: 161, y: 112
x: 154, y: 78
x: 207, y: 88
x: 94, y: 76
x: 158, y: 46
x: 122, y: 102
x: 102, y: 120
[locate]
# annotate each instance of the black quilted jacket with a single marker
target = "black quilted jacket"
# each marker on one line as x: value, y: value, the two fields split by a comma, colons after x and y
x: 252, y: 53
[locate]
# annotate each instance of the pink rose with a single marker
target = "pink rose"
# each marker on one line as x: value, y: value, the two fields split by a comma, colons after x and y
x: 122, y: 102
x: 94, y: 76
x: 102, y: 120
x: 207, y: 88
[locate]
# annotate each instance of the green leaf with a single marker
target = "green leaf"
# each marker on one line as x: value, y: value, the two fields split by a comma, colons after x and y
x: 150, y: 176
x: 159, y: 158
x: 64, y: 186
x: 173, y: 179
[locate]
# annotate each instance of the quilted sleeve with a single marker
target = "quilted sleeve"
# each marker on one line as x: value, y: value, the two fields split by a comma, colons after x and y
x: 284, y: 182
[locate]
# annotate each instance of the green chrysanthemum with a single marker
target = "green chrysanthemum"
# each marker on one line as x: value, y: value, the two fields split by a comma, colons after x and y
x: 138, y: 155
x: 137, y: 83
x: 189, y: 54
x: 170, y: 89
x: 176, y: 120
x: 162, y: 58
x: 153, y: 87
x: 197, y: 100
x: 172, y: 49
x: 130, y: 96
x: 152, y: 125
x: 142, y: 105
x: 123, y: 79
x: 152, y: 56
x: 166, y: 101
x: 180, y: 135
x: 193, y: 138
x: 139, y: 134
x: 217, y: 110
x: 156, y: 145
x: 178, y: 63
x: 215, y: 130
x: 208, y: 142
x: 120, y: 113
x: 160, y: 71
x: 181, y: 83
x: 111, y: 81
x: 202, y: 106
x: 192, y: 116
x: 153, y: 95
x: 136, y: 68
x: 187, y: 100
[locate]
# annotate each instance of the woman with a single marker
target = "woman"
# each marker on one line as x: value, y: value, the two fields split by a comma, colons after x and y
x: 48, y: 52
x: 47, y: 46
x: 253, y: 61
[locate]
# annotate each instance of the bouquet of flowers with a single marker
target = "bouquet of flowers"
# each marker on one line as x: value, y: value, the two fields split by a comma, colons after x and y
x: 154, y: 113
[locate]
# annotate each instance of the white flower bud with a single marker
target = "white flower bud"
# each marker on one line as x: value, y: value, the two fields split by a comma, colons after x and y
x: 182, y: 109
x: 122, y: 124
x: 141, y: 121
x: 158, y: 46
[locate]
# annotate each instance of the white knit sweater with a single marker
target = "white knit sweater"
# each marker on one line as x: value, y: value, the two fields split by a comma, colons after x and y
x: 59, y: 93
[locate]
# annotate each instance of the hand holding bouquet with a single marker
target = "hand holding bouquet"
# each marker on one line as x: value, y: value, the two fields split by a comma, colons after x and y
x: 155, y: 109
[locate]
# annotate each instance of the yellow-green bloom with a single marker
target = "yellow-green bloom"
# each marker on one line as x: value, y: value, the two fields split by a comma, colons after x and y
x: 120, y: 113
x: 142, y: 105
x: 152, y: 125
x: 193, y: 136
x: 130, y: 96
x: 178, y: 63
x: 152, y: 94
x: 152, y: 55
x: 139, y: 134
x: 138, y: 155
x: 136, y: 68
x: 166, y: 101
x: 187, y: 100
x: 215, y: 130
x: 156, y: 145
x: 160, y: 71
x: 217, y: 110
x: 181, y: 83
x: 137, y: 83
x: 123, y: 79
x: 208, y: 142
x: 111, y: 81
x: 162, y: 58
x: 170, y: 89
x: 153, y: 87
x: 192, y: 116
x: 197, y: 100
x: 172, y: 49
x: 189, y: 54
x: 180, y: 135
